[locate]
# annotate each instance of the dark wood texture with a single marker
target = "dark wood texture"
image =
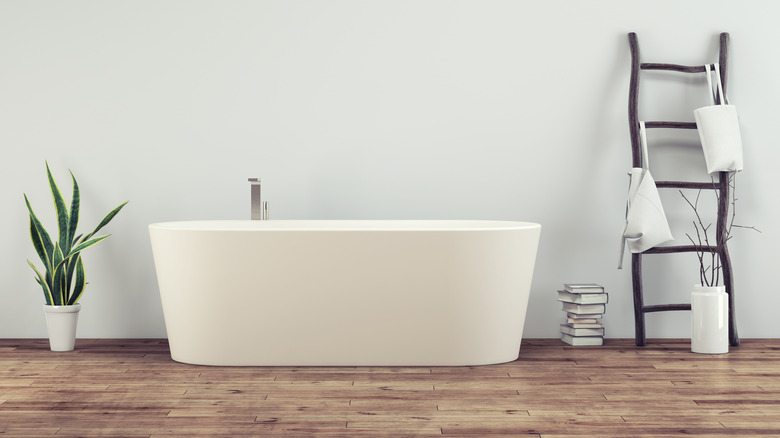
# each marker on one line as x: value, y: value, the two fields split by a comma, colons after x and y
x: 633, y: 97
x: 723, y: 207
x: 673, y: 67
x: 686, y: 185
x: 639, y: 306
x: 672, y: 125
x: 679, y: 248
x: 666, y: 307
x: 721, y: 185
x: 131, y: 388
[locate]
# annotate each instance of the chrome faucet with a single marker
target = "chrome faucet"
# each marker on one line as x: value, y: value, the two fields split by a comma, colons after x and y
x: 259, y: 209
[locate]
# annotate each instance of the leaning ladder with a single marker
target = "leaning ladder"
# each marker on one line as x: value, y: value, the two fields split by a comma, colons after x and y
x: 721, y: 184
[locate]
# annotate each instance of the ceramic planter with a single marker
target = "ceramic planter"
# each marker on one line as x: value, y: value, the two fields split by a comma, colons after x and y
x: 709, y: 320
x: 61, y: 322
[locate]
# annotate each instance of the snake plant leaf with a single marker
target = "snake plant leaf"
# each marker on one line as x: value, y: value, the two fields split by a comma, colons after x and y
x: 73, y: 220
x: 63, y: 290
x: 42, y: 282
x: 45, y: 238
x: 37, y: 243
x: 57, y: 256
x: 48, y: 278
x: 69, y: 268
x: 45, y: 288
x: 83, y: 245
x: 81, y: 282
x: 105, y: 220
x: 60, y: 289
x: 56, y: 275
x: 62, y: 210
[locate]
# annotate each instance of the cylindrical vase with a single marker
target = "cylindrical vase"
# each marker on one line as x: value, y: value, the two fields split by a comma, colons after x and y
x: 709, y: 320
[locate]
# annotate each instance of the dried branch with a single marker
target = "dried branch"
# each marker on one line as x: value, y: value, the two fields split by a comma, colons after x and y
x: 700, y: 243
x: 747, y: 227
x: 709, y: 274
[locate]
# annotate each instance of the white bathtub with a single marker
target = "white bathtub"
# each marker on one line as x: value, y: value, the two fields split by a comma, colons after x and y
x: 348, y: 293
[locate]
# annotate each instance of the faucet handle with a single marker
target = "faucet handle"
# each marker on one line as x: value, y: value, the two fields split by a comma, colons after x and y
x: 265, y: 210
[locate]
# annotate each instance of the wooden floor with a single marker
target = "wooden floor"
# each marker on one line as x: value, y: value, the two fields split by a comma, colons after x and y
x: 131, y: 388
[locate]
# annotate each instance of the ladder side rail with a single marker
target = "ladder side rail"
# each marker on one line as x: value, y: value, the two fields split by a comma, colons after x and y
x: 633, y: 96
x: 636, y: 161
x: 723, y: 208
x: 723, y: 253
x: 639, y: 306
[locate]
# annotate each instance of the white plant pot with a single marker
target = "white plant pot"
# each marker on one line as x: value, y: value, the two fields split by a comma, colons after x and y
x: 61, y: 322
x: 709, y: 320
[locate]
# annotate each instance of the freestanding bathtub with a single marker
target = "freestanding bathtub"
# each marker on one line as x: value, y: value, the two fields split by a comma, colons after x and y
x: 351, y: 293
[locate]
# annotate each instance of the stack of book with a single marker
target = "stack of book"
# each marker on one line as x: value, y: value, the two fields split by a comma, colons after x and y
x: 584, y: 304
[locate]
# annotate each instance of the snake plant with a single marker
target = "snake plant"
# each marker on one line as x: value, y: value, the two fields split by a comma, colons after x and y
x: 64, y: 279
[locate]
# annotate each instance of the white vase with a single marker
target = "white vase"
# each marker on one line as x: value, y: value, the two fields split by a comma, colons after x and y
x: 709, y: 320
x: 61, y: 322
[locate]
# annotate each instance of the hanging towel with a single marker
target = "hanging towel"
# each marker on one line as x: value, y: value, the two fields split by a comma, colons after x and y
x: 646, y: 224
x: 718, y: 127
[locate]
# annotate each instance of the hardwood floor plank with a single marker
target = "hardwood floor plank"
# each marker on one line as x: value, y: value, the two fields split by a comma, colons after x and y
x: 390, y: 394
x: 476, y: 405
x: 402, y: 406
x: 594, y: 430
x: 12, y: 407
x: 300, y: 431
x: 11, y: 383
x: 32, y: 431
x: 484, y: 371
x: 254, y: 429
x: 720, y: 416
x: 217, y: 411
x: 383, y: 378
x: 608, y: 434
x: 767, y: 425
x: 485, y: 414
x: 275, y: 385
x: 25, y: 434
x: 408, y: 427
x: 356, y: 375
x: 233, y: 376
x: 500, y: 435
x: 394, y: 386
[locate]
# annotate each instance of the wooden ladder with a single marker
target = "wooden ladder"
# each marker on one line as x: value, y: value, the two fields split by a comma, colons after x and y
x: 722, y: 184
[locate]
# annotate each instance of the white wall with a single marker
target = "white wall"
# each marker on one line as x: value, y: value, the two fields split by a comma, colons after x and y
x: 511, y: 110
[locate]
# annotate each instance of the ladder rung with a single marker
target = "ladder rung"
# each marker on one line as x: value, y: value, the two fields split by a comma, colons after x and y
x: 680, y: 248
x: 674, y: 125
x: 665, y: 307
x: 687, y: 185
x: 673, y: 67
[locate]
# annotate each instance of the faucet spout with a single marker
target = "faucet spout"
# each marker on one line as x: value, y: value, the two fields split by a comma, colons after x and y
x: 256, y: 200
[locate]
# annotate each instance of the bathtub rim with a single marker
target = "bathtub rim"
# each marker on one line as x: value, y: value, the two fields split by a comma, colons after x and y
x: 423, y: 225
